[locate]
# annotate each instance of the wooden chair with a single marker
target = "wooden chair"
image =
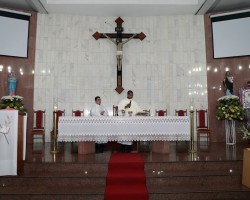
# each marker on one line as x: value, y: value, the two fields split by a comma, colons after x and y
x: 77, y: 113
x: 202, y: 125
x: 59, y: 114
x: 115, y: 110
x: 181, y: 112
x: 38, y: 125
x: 161, y: 112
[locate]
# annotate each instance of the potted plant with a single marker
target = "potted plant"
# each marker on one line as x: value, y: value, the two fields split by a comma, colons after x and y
x: 14, y: 102
x: 229, y: 109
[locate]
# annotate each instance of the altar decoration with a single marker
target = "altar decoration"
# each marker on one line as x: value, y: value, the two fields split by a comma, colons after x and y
x: 143, y: 113
x: 14, y: 102
x: 229, y: 109
x: 12, y: 82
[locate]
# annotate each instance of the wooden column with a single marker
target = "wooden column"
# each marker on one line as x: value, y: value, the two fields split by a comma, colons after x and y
x: 20, y: 162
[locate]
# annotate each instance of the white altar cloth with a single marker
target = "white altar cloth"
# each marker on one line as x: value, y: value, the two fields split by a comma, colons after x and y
x: 138, y: 128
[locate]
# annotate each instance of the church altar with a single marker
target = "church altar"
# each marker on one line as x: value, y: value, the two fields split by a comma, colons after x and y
x: 13, y: 126
x: 138, y: 128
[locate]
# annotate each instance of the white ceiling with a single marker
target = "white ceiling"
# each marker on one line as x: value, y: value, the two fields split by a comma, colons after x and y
x: 127, y: 8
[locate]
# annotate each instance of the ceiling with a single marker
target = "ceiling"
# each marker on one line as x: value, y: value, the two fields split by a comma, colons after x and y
x: 127, y: 8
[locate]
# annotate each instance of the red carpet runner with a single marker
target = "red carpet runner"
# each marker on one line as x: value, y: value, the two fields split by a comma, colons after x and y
x: 126, y: 178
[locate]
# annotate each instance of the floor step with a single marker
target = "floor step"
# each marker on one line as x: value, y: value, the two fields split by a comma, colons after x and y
x: 212, y: 195
x: 50, y: 185
x: 45, y: 196
x: 211, y: 175
x: 66, y: 169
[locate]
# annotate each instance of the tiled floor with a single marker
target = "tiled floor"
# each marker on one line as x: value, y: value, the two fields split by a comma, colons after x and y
x: 67, y: 153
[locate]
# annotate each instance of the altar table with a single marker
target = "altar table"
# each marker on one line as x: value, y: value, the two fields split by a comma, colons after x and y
x: 138, y: 128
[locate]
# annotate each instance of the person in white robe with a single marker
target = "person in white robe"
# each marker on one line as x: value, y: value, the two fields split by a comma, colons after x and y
x: 99, y: 110
x: 129, y: 106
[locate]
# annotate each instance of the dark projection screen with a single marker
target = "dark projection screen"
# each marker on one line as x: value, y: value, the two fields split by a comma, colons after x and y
x: 14, y: 33
x: 231, y: 35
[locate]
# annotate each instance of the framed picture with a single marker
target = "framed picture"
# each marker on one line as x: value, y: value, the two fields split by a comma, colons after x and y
x: 246, y: 98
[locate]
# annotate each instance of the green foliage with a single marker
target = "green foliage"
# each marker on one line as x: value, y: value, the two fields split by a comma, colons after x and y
x: 229, y: 107
x: 12, y: 102
x: 245, y: 130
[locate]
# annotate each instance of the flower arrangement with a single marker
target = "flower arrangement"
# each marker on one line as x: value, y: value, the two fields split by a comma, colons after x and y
x: 229, y: 108
x: 245, y: 130
x: 14, y: 101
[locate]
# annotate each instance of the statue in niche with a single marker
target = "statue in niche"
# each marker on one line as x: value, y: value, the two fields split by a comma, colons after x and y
x: 12, y: 81
x: 228, y: 83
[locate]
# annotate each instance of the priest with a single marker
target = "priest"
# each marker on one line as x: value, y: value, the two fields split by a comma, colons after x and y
x: 129, y: 105
x: 131, y: 108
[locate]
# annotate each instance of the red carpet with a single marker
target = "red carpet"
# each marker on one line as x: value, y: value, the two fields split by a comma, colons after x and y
x: 126, y: 178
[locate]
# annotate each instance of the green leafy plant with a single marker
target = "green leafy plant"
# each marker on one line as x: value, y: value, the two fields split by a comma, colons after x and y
x: 229, y: 108
x: 245, y: 130
x: 14, y: 102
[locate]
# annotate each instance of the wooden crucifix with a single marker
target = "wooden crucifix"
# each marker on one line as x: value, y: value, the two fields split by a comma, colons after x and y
x: 118, y: 36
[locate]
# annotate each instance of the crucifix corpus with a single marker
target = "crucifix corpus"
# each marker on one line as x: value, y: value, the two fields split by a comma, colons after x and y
x: 116, y: 38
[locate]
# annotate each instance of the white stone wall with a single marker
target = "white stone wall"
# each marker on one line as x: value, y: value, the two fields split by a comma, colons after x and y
x: 167, y: 70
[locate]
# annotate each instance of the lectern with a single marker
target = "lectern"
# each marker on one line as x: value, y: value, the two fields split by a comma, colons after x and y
x: 246, y: 168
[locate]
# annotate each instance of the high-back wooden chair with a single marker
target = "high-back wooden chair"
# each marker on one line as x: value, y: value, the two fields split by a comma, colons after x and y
x: 115, y: 110
x: 181, y: 112
x: 161, y: 112
x: 59, y: 113
x: 202, y: 125
x: 77, y: 113
x: 38, y: 125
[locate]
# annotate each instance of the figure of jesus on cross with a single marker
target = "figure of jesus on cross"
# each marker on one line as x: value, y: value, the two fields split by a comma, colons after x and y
x: 119, y: 49
x: 117, y: 39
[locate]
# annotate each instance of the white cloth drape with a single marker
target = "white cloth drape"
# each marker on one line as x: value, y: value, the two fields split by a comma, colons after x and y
x: 8, y: 141
x: 138, y: 128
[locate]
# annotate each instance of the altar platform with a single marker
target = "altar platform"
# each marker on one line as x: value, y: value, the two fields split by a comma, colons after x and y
x: 214, y: 171
x: 178, y: 152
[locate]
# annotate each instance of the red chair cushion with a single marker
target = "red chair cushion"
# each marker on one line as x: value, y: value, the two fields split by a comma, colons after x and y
x: 202, y: 119
x: 161, y: 113
x: 181, y: 113
x: 39, y: 119
x: 77, y: 113
x: 37, y: 131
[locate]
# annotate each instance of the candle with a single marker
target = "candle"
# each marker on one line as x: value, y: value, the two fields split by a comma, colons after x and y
x: 55, y: 107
